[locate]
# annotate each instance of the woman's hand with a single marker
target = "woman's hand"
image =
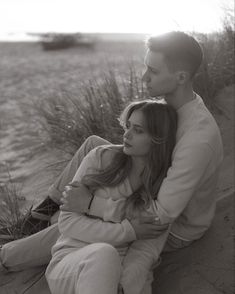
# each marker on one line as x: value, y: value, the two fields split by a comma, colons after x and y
x: 76, y: 198
x: 148, y: 227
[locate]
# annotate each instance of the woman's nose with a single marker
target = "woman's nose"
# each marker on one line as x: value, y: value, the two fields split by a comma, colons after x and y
x: 127, y: 134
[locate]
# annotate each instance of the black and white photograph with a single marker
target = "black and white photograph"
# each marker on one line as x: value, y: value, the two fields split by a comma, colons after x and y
x: 117, y: 147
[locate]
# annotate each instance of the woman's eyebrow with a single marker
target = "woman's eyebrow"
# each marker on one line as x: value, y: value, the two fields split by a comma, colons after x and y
x: 136, y: 125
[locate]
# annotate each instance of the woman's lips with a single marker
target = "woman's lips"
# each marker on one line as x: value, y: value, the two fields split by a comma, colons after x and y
x: 126, y: 144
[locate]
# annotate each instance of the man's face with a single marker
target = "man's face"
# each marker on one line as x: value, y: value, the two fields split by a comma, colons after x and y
x: 159, y: 79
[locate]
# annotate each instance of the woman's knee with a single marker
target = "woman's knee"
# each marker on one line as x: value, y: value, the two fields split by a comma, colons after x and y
x: 106, y: 253
x: 94, y: 258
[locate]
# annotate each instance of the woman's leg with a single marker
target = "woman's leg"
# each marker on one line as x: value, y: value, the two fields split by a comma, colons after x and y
x: 38, y: 247
x: 31, y: 251
x: 39, y: 217
x: 55, y: 191
x: 96, y: 268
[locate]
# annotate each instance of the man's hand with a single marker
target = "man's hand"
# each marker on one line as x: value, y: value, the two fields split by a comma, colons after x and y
x: 148, y: 227
x: 76, y: 198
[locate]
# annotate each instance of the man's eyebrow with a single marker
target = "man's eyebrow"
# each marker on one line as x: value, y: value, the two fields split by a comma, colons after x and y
x: 152, y: 68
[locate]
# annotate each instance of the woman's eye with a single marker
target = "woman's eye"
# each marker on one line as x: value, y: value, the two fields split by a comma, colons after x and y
x: 126, y: 126
x: 138, y: 131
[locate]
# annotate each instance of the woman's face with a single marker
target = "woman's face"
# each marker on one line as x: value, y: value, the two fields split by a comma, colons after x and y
x: 136, y: 140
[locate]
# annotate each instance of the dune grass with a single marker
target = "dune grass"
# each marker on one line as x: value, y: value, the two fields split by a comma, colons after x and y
x: 12, y: 216
x: 217, y: 70
x: 68, y: 119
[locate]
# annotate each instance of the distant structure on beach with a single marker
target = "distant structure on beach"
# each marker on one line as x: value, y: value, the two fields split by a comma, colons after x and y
x: 55, y: 41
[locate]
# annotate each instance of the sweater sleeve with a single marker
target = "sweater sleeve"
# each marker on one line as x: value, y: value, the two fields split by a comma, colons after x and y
x: 183, y: 177
x: 92, y: 230
x: 87, y: 229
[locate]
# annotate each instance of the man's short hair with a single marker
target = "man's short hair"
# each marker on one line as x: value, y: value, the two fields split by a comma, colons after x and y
x: 180, y: 50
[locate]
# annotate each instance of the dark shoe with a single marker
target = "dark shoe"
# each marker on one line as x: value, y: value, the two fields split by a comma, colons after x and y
x: 34, y: 221
x: 45, y: 210
x: 23, y: 228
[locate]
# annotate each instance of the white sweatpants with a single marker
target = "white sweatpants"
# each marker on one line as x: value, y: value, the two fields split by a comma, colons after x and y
x: 95, y: 268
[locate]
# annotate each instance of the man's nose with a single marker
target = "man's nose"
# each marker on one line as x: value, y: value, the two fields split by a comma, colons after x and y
x: 145, y: 77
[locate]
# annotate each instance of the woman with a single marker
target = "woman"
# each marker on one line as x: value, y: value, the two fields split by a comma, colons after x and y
x: 127, y: 177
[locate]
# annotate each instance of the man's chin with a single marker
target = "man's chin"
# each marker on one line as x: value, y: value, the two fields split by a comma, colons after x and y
x: 158, y: 97
x: 155, y: 95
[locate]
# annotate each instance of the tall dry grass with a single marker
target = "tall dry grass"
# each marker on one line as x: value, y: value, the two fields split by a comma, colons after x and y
x: 68, y: 119
x: 12, y: 216
x: 217, y: 70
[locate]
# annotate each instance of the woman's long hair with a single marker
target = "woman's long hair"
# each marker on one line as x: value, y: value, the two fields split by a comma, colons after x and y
x: 161, y: 124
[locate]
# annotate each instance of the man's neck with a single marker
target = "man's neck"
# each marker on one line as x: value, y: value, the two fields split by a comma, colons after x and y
x: 180, y: 97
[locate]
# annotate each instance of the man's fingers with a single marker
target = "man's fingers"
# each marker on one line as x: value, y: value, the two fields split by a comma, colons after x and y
x: 161, y: 227
x: 149, y: 219
x: 64, y: 194
x: 157, y: 227
x: 152, y: 232
x: 67, y: 188
x: 63, y: 207
x: 63, y: 200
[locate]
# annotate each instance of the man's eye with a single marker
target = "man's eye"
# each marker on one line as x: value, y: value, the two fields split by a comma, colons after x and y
x: 154, y: 71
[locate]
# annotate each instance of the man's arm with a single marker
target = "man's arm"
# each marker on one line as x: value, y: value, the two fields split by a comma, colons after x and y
x: 183, y: 178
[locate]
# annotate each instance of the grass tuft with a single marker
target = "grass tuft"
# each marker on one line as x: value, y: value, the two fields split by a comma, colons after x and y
x: 68, y: 119
x: 11, y: 216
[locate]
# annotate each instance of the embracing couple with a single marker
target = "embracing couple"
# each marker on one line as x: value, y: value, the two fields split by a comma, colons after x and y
x: 122, y: 205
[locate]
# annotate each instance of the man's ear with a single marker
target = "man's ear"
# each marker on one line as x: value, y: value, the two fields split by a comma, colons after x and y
x: 182, y: 77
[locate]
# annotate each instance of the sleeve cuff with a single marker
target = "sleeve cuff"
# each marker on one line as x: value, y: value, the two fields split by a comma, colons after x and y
x: 130, y: 231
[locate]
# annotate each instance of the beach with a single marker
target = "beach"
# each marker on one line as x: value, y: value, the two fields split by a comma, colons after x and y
x: 29, y: 75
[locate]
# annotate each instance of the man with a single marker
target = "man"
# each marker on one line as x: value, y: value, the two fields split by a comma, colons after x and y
x: 187, y: 196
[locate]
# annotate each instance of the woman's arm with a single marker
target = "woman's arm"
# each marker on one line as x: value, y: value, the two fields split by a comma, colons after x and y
x: 90, y: 230
x: 87, y: 229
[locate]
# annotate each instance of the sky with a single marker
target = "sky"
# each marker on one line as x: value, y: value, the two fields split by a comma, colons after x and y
x: 123, y: 16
